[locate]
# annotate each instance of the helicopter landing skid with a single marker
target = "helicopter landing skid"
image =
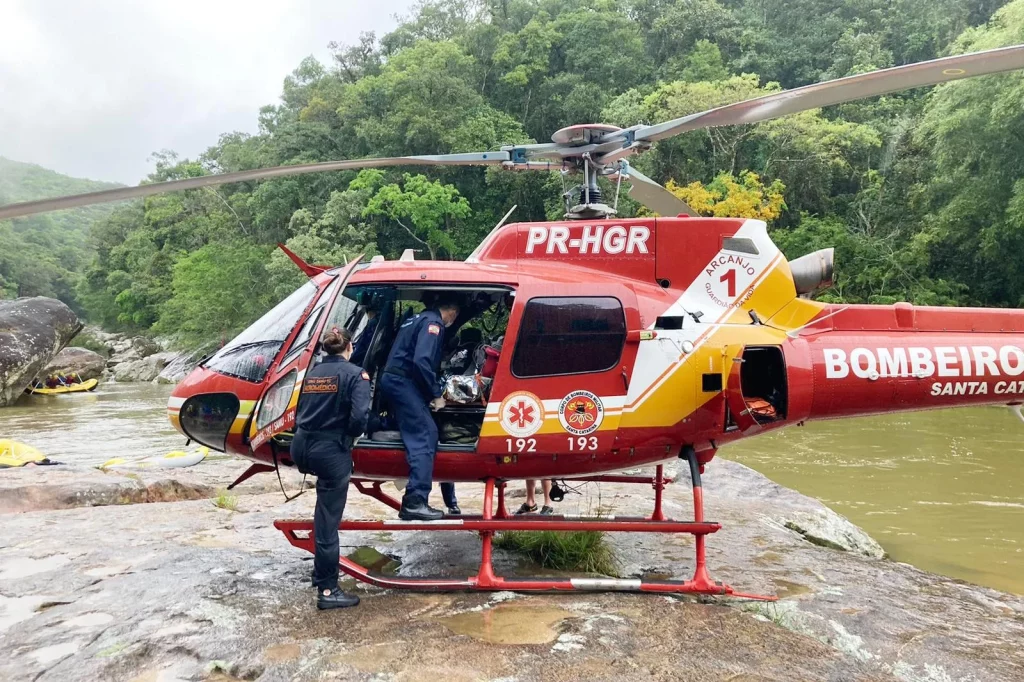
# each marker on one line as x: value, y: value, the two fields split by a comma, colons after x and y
x: 300, y: 534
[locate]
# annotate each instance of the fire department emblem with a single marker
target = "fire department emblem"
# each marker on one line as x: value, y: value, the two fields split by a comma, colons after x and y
x: 581, y: 413
x: 521, y: 414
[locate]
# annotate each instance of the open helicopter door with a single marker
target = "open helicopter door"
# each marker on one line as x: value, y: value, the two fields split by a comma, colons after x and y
x: 275, y: 412
x: 564, y: 371
x: 756, y: 389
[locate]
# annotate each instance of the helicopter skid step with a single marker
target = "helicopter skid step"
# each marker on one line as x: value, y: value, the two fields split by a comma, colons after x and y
x: 299, y: 533
x: 556, y: 523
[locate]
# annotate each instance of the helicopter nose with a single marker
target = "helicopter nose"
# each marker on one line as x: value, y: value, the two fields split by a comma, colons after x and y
x: 209, y: 407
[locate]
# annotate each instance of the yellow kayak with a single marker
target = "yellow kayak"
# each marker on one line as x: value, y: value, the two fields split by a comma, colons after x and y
x: 15, y: 454
x: 89, y: 385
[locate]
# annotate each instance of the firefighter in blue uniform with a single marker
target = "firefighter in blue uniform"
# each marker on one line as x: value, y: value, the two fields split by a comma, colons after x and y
x: 331, y: 412
x: 410, y: 384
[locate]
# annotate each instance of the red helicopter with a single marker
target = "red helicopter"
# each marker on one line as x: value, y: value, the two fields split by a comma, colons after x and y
x: 593, y: 345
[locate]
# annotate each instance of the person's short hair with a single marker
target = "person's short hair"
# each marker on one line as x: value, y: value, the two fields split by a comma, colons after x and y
x: 448, y: 303
x: 336, y: 341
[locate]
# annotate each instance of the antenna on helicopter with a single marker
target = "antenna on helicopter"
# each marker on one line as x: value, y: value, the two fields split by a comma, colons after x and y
x: 507, y: 216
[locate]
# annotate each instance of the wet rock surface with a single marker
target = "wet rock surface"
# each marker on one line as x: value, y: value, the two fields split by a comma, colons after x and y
x: 187, y: 590
x: 39, y: 488
x: 32, y: 332
x: 82, y: 361
x: 29, y: 489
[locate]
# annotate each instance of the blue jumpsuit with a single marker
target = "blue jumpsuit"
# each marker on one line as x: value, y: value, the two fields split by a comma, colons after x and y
x: 409, y: 382
x: 331, y: 412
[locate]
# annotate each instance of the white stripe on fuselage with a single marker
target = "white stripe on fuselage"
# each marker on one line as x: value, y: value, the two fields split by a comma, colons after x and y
x: 655, y: 358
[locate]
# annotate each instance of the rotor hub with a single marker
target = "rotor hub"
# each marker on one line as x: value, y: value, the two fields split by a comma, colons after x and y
x: 583, y: 134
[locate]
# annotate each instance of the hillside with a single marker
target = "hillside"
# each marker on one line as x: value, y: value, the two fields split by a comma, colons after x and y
x: 44, y: 254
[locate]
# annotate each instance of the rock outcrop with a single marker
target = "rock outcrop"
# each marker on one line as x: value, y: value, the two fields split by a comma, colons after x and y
x: 32, y: 332
x: 66, y: 487
x: 82, y: 361
x: 144, y: 369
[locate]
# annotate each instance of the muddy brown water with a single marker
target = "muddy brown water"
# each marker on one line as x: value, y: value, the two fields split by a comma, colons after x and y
x: 115, y: 420
x: 942, y: 490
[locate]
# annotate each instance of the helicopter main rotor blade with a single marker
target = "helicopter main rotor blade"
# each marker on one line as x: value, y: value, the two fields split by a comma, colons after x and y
x: 122, y: 193
x: 654, y: 196
x: 841, y: 90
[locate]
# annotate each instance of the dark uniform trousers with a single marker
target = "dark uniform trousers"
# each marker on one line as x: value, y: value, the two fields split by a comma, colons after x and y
x: 419, y: 432
x: 419, y: 435
x: 409, y: 382
x: 327, y: 456
x: 332, y: 411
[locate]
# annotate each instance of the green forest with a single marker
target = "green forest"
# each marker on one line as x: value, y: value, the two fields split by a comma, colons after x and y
x: 920, y: 192
x: 44, y: 255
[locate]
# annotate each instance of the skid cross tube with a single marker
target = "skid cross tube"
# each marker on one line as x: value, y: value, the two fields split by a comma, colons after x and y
x: 299, y: 533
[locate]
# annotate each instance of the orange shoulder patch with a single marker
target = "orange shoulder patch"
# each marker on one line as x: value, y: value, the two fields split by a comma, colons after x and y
x: 434, y: 329
x: 365, y: 375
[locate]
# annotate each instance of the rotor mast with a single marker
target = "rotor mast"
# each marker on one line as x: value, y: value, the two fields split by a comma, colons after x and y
x: 584, y: 201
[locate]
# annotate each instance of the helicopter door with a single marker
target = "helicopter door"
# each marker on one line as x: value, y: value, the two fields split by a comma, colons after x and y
x: 275, y: 412
x: 564, y: 371
x: 756, y: 390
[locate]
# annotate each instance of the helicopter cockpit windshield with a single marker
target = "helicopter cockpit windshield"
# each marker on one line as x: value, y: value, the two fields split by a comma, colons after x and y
x: 249, y: 355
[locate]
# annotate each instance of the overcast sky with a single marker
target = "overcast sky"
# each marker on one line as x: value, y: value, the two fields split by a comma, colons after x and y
x: 91, y: 88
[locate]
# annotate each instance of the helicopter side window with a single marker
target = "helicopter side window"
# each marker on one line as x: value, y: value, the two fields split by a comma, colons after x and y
x: 569, y: 336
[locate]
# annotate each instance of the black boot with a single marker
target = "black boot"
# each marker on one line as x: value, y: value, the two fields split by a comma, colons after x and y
x: 454, y: 510
x: 335, y: 599
x: 415, y: 508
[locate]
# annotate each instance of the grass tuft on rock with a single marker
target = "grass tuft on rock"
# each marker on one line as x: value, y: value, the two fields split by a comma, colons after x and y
x: 224, y: 500
x: 585, y: 551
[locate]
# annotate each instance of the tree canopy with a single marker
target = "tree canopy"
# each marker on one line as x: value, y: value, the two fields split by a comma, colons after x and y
x: 921, y: 192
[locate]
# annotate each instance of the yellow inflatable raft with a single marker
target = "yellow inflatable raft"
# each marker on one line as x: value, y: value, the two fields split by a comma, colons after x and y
x: 89, y: 385
x: 172, y: 460
x: 15, y: 454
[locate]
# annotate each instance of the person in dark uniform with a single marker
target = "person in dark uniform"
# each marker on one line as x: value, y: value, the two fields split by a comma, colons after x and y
x: 410, y: 384
x: 363, y: 342
x: 331, y: 412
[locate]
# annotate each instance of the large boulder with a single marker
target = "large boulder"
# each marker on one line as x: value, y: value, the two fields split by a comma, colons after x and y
x: 32, y: 332
x: 84, y: 362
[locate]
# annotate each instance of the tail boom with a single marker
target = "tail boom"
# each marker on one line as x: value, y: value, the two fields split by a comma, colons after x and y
x: 878, y: 359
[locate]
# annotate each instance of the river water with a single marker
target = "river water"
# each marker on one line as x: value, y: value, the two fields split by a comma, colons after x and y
x: 115, y: 420
x: 942, y: 490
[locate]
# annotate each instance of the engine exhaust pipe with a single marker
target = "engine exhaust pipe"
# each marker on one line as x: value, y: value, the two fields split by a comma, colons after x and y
x: 813, y: 271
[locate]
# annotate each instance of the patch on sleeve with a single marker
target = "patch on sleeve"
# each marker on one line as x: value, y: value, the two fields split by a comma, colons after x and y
x: 320, y: 385
x: 434, y: 329
x: 365, y: 375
